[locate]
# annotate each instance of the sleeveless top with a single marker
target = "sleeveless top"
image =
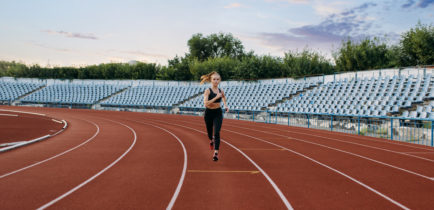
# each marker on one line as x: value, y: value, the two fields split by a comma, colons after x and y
x: 213, y: 95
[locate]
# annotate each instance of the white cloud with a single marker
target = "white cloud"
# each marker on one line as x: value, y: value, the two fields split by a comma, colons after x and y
x: 298, y: 1
x: 326, y: 8
x: 291, y: 1
x: 233, y: 5
x: 354, y: 23
x: 121, y: 55
x: 72, y: 35
x: 140, y: 53
x: 295, y: 23
x: 321, y: 7
x: 63, y: 50
x: 261, y: 15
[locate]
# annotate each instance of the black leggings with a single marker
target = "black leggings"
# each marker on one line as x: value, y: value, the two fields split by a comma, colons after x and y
x: 214, y: 117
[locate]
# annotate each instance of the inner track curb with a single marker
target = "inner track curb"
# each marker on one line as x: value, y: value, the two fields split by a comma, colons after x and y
x: 24, y: 143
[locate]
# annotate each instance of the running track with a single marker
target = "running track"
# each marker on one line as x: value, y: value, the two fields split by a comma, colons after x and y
x: 12, y: 125
x: 120, y: 160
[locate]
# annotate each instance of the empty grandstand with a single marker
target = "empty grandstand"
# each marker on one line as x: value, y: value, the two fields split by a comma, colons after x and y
x: 11, y: 90
x: 425, y: 111
x: 76, y: 94
x: 366, y: 97
x: 153, y: 96
x: 392, y: 104
x: 373, y: 95
x: 254, y: 96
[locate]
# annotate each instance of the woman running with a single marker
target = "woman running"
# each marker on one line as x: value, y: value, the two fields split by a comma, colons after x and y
x: 213, y: 112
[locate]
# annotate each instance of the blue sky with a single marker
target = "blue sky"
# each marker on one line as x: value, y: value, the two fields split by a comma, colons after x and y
x: 84, y: 32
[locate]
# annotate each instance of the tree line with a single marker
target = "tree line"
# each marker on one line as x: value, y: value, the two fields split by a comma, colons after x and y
x: 226, y: 54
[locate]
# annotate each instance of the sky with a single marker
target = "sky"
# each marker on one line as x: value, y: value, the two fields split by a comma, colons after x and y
x: 87, y: 32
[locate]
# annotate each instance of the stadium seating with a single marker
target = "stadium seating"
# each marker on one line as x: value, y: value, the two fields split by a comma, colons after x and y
x: 254, y: 96
x: 405, y: 96
x: 72, y: 93
x: 12, y: 90
x: 153, y: 95
x: 368, y: 96
x: 420, y: 112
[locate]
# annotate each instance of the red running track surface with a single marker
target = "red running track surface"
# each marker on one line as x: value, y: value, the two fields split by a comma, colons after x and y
x: 119, y: 160
x: 19, y: 126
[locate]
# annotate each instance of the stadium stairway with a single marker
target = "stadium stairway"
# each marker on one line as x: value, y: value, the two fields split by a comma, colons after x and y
x: 418, y: 110
x: 17, y: 100
x: 273, y: 106
x: 187, y: 99
x: 98, y: 103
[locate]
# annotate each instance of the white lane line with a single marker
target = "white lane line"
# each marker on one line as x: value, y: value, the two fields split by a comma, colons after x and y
x: 96, y: 175
x: 346, y: 152
x: 184, y: 169
x: 419, y: 152
x: 60, y: 122
x: 9, y: 115
x: 396, y: 143
x: 348, y: 142
x: 333, y: 169
x: 53, y: 157
x: 276, y: 188
x: 34, y: 113
x: 333, y: 139
x: 324, y: 165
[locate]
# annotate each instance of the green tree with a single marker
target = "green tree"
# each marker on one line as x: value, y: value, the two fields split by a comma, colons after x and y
x: 258, y: 67
x: 215, y: 46
x: 364, y: 55
x: 145, y: 71
x: 305, y: 63
x: 225, y: 66
x: 393, y: 56
x: 83, y: 73
x: 180, y: 67
x: 166, y: 73
x: 10, y: 68
x: 417, y: 46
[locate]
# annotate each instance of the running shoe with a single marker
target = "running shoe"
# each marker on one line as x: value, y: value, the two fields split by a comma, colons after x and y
x: 215, y: 158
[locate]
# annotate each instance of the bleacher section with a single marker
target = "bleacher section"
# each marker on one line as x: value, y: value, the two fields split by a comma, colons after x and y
x: 153, y: 96
x: 254, y: 96
x: 389, y: 93
x: 420, y: 112
x: 12, y: 90
x: 368, y: 96
x: 72, y: 93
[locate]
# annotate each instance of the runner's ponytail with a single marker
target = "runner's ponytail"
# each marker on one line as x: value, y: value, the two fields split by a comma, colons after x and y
x: 207, y: 77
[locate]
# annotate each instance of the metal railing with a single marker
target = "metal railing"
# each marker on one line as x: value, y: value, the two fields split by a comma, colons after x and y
x: 412, y: 130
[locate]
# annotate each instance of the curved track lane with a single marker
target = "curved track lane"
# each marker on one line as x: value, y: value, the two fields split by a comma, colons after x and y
x: 233, y: 181
x: 308, y: 183
x: 139, y: 160
x: 135, y: 179
x: 19, y: 126
x: 395, y: 183
x: 37, y: 185
x: 78, y: 132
